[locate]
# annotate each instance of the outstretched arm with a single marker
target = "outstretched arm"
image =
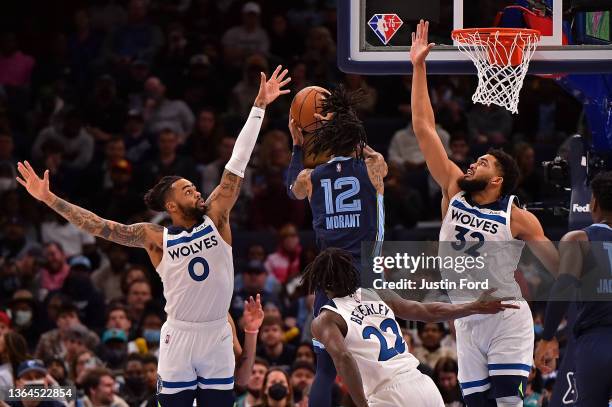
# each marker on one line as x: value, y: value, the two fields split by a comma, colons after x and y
x: 251, y: 318
x: 145, y: 235
x: 442, y: 169
x: 377, y: 168
x: 326, y: 328
x: 223, y: 198
x: 526, y: 226
x: 439, y: 311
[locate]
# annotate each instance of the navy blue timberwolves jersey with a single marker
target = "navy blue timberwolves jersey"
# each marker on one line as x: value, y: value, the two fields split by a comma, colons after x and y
x: 346, y: 209
x: 593, y: 314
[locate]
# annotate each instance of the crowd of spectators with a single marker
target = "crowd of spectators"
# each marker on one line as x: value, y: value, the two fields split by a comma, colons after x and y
x: 112, y: 95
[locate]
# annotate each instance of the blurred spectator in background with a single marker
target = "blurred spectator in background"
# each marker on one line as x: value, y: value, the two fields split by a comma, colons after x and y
x: 403, y: 204
x: 7, y: 149
x: 211, y: 174
x: 284, y: 41
x: 15, y: 243
x: 84, y: 46
x: 284, y: 263
x: 272, y: 347
x: 99, y: 386
x: 113, y: 349
x: 241, y: 98
x: 135, y: 140
x: 168, y: 161
x: 532, y: 185
x: 173, y: 59
x: 138, y: 294
x: 368, y: 95
x: 430, y: 350
x: 108, y: 279
x: 77, y: 143
x: 59, y: 371
x: 162, y: 114
x: 276, y: 390
x: 117, y: 318
x: 79, y: 288
x: 445, y: 378
x: 120, y: 201
x: 253, y: 282
x: 489, y: 124
x: 302, y: 376
x: 5, y: 323
x: 299, y: 77
x: 320, y: 57
x: 404, y: 148
x: 56, y: 268
x: 460, y: 151
x: 305, y: 353
x: 25, y: 318
x: 252, y: 397
x: 13, y: 352
x: 105, y: 112
x: 33, y: 371
x: 203, y: 141
x: 138, y: 38
x: 202, y: 86
x: 55, y: 228
x: 134, y: 391
x: 149, y: 364
x: 15, y: 66
x: 248, y: 38
x: 150, y: 330
x: 70, y: 329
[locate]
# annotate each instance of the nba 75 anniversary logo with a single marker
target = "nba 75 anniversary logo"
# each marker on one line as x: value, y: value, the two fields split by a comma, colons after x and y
x: 385, y: 26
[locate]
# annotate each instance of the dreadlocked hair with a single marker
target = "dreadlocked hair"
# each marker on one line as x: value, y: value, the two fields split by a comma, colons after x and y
x: 332, y: 270
x: 155, y: 198
x: 344, y: 133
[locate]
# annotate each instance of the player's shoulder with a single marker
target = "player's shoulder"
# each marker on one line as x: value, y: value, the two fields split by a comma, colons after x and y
x: 575, y: 236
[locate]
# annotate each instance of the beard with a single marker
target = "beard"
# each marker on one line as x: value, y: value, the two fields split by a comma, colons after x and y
x: 193, y: 212
x: 472, y: 185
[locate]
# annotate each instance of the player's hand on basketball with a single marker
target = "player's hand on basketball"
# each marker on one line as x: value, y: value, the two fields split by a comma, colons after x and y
x: 270, y: 89
x: 296, y: 132
x: 488, y: 304
x: 253, y: 314
x: 546, y: 355
x: 36, y: 186
x: 420, y: 46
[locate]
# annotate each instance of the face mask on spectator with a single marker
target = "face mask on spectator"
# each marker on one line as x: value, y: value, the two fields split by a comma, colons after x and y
x: 137, y: 384
x: 151, y: 335
x: 277, y: 391
x: 23, y: 317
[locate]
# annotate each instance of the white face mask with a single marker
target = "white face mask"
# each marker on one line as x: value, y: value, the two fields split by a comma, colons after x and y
x: 23, y: 317
x: 7, y: 184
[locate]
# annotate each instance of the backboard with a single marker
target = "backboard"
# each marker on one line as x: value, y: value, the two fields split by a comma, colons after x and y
x: 374, y: 35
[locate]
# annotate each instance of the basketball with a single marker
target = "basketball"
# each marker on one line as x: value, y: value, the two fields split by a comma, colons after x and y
x: 305, y: 104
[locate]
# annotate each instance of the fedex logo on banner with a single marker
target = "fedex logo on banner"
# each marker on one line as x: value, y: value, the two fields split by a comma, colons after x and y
x: 385, y: 26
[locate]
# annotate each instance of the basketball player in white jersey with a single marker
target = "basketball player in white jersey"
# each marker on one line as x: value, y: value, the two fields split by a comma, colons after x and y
x: 194, y: 260
x: 494, y: 352
x: 360, y: 333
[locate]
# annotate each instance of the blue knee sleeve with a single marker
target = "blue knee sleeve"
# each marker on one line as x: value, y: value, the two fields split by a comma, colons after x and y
x: 321, y: 390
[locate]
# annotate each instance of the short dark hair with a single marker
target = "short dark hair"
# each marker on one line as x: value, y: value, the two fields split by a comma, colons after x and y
x: 115, y: 306
x: 601, y: 185
x: 56, y: 244
x: 135, y: 356
x: 150, y: 358
x: 155, y: 198
x: 92, y: 378
x: 344, y: 133
x: 270, y: 320
x: 332, y: 270
x: 261, y: 361
x: 421, y: 326
x: 509, y: 170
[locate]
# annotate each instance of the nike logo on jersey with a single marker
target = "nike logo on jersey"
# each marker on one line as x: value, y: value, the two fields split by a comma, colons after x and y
x: 474, y: 222
x: 193, y: 248
x: 364, y: 310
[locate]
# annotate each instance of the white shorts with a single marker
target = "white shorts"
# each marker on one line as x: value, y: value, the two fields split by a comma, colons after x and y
x: 495, y: 350
x: 408, y: 389
x: 195, y: 355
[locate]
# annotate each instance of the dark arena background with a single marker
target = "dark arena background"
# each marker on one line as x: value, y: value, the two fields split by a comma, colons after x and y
x: 110, y: 96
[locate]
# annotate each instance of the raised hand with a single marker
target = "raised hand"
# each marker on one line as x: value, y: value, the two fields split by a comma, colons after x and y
x: 253, y: 314
x: 420, y: 47
x: 270, y: 89
x: 296, y: 133
x: 487, y: 304
x: 546, y: 355
x: 36, y: 186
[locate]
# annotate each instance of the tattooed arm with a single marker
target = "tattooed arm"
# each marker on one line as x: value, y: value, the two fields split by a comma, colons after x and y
x: 146, y: 235
x: 377, y: 168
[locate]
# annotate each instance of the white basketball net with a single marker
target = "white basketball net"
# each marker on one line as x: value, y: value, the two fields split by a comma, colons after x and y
x: 499, y: 80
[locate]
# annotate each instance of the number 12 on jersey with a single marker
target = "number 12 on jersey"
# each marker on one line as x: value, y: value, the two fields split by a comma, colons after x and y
x: 341, y: 201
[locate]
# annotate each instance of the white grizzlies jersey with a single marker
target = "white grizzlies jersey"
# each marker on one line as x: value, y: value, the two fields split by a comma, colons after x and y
x: 197, y: 271
x: 466, y: 222
x: 374, y: 339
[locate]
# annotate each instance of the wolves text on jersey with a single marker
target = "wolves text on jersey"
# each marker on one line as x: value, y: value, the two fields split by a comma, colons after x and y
x: 474, y: 222
x: 193, y: 247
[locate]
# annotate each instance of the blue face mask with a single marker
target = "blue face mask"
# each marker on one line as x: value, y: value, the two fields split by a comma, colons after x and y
x: 151, y: 335
x: 538, y: 329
